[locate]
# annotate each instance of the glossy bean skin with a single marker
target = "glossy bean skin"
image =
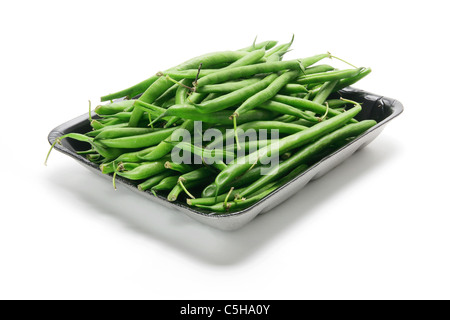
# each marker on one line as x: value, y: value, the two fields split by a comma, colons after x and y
x: 165, y: 147
x: 111, y: 133
x: 144, y: 171
x: 179, y: 167
x: 269, y: 92
x: 129, y: 157
x: 251, y: 58
x: 318, y: 69
x: 235, y: 97
x: 166, y: 184
x: 307, y: 105
x: 153, y: 181
x: 220, y: 117
x: 113, y: 108
x: 246, y: 179
x: 307, y: 62
x: 329, y: 76
x: 228, y: 87
x: 324, y: 92
x: 285, y: 144
x: 288, y: 110
x: 248, y: 71
x: 291, y: 88
x: 138, y: 141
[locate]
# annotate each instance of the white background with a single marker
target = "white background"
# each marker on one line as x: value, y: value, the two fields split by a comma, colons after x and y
x: 377, y: 226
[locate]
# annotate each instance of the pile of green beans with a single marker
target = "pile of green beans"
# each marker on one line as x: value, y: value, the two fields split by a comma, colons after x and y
x: 135, y: 133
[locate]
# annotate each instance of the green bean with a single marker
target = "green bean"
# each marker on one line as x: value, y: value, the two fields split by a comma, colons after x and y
x: 166, y: 184
x: 266, y: 94
x: 250, y: 58
x: 164, y: 147
x: 336, y: 103
x: 133, y: 157
x: 329, y: 76
x: 191, y: 179
x: 235, y: 97
x: 277, y: 53
x: 180, y: 167
x: 286, y: 118
x: 304, y: 154
x: 248, y: 71
x: 262, y: 45
x: 293, y: 88
x: 107, y: 153
x: 349, y: 81
x: 138, y: 141
x: 318, y: 69
x: 121, y: 116
x: 246, y: 179
x: 153, y: 181
x: 325, y: 91
x: 131, y: 91
x: 211, y: 200
x: 113, y: 108
x: 220, y: 117
x: 166, y: 96
x: 285, y: 144
x: 306, y: 62
x: 144, y: 171
x: 306, y: 105
x: 111, y: 133
x: 287, y: 109
x: 228, y: 87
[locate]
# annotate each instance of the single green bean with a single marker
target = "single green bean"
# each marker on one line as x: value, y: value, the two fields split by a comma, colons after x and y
x: 306, y: 62
x: 220, y: 117
x: 113, y: 108
x: 291, y: 88
x: 180, y: 167
x: 228, y: 87
x: 318, y: 69
x: 287, y: 109
x: 329, y: 76
x: 248, y: 71
x: 324, y: 92
x: 111, y: 133
x: 139, y: 141
x: 145, y: 170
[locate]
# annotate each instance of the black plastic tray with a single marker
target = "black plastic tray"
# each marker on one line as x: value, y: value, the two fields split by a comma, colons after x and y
x: 376, y: 107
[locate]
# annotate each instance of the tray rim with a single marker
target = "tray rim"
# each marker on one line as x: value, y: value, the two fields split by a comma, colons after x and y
x: 396, y: 107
